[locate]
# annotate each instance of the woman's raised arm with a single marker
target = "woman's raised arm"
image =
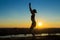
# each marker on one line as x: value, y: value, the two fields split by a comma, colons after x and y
x: 30, y: 7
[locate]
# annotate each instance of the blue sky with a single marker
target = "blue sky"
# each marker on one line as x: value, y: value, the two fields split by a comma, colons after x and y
x: 17, y: 11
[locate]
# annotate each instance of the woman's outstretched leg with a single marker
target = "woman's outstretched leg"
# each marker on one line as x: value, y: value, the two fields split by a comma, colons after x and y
x: 31, y: 30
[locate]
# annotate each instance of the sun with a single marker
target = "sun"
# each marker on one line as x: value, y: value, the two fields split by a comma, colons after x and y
x: 40, y: 24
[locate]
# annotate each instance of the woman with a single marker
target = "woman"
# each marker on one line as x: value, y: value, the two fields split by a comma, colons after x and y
x: 32, y: 18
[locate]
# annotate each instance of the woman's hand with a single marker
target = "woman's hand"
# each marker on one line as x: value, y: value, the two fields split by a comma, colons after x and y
x: 29, y: 4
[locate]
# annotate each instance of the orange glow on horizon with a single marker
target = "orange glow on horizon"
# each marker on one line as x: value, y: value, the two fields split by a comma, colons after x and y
x: 40, y: 24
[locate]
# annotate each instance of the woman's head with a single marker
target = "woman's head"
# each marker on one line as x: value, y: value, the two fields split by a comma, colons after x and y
x: 34, y: 10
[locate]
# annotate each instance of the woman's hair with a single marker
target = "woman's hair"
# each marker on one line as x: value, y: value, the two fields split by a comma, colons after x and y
x: 34, y: 10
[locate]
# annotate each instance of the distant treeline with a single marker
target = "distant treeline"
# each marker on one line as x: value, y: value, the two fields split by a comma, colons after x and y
x: 14, y: 31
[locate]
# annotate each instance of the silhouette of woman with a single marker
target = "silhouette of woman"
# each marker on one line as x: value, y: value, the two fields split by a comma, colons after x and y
x: 32, y: 18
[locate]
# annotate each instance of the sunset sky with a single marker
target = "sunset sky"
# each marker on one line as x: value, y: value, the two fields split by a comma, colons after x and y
x: 16, y: 14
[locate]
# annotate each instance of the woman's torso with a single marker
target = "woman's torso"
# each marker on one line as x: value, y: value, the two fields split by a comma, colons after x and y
x: 33, y: 17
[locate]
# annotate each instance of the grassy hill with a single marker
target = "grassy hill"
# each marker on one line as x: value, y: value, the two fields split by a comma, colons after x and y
x: 14, y: 31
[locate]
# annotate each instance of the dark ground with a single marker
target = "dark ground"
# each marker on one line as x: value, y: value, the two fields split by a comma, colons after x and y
x: 14, y: 31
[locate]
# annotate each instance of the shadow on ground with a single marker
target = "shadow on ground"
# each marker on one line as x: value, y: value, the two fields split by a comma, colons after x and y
x: 49, y: 37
